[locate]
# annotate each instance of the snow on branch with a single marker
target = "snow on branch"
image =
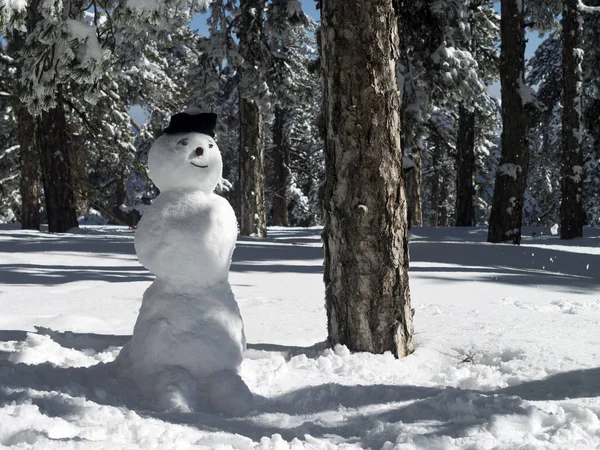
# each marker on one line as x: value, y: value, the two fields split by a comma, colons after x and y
x: 528, y: 96
x: 588, y: 9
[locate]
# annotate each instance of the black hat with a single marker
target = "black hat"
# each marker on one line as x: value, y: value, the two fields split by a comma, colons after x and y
x: 191, y: 122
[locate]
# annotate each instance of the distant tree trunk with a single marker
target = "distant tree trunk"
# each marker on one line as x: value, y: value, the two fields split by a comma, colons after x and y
x: 365, y: 234
x: 591, y: 118
x: 29, y: 160
x: 465, y: 168
x: 281, y: 162
x: 78, y: 164
x: 129, y: 218
x: 253, y: 215
x: 509, y: 190
x: 443, y: 217
x: 410, y: 188
x: 435, y: 186
x: 414, y: 191
x: 55, y: 157
x: 253, y: 219
x: 572, y: 215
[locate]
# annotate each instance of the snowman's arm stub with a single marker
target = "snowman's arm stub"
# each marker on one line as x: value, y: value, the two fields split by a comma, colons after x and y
x: 150, y: 239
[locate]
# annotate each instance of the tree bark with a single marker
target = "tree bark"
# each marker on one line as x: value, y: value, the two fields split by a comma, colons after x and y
x: 281, y: 162
x: 509, y: 190
x: 78, y: 164
x: 465, y: 168
x: 253, y: 216
x: 435, y: 186
x: 414, y: 191
x: 365, y: 234
x: 443, y: 216
x: 28, y: 150
x: 29, y: 160
x: 572, y: 215
x: 253, y: 221
x: 410, y: 188
x: 45, y: 138
x: 55, y: 157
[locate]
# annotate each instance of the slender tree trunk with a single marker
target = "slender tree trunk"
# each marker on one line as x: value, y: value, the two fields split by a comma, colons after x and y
x: 443, y: 217
x: 253, y: 215
x: 78, y: 164
x: 437, y: 180
x: 572, y: 215
x: 55, y: 157
x: 253, y: 221
x: 410, y: 189
x: 281, y: 161
x: 29, y: 160
x: 414, y: 191
x: 509, y: 190
x: 435, y: 186
x: 365, y: 234
x: 465, y: 168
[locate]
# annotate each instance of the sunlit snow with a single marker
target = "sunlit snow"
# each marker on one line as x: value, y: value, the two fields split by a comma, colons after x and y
x: 507, y: 347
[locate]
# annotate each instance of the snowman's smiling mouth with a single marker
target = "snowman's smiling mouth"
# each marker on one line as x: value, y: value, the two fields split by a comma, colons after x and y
x: 198, y: 165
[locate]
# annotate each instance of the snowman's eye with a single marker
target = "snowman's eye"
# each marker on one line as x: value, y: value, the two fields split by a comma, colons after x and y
x: 183, y: 142
x: 210, y: 145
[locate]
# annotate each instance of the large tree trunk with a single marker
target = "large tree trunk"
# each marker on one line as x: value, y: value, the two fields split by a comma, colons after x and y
x: 28, y: 150
x: 29, y: 160
x: 253, y: 215
x: 509, y: 190
x: 365, y: 232
x: 281, y: 162
x: 465, y: 168
x: 55, y: 157
x: 571, y: 208
x: 45, y: 138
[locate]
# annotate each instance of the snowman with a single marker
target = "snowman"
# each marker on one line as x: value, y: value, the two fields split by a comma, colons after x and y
x: 188, y: 341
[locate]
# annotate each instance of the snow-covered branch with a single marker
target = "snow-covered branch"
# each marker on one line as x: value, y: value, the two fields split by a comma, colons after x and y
x: 588, y: 9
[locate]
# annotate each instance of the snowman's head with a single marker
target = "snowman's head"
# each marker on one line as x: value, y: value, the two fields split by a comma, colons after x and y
x: 187, y: 157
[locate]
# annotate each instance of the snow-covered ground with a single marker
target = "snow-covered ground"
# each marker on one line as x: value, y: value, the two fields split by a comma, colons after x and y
x: 508, y: 348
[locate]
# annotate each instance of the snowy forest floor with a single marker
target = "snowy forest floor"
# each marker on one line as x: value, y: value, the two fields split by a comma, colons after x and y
x: 508, y: 347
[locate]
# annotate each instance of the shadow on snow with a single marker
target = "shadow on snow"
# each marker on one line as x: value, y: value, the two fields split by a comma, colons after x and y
x: 357, y: 409
x: 433, y: 251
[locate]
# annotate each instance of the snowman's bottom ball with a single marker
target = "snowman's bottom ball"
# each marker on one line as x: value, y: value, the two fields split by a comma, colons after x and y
x: 201, y: 332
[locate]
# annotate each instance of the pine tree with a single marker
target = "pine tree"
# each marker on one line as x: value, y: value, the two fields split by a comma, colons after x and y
x: 365, y: 232
x: 293, y: 85
x: 10, y: 152
x: 571, y: 207
x: 71, y: 42
x: 544, y: 181
x: 447, y: 54
x: 465, y: 168
x: 253, y: 216
x: 480, y: 41
x: 509, y: 190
